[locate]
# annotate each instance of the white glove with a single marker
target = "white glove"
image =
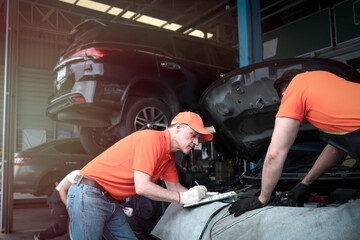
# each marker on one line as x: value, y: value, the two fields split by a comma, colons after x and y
x: 192, y: 195
x: 128, y: 211
x: 212, y: 193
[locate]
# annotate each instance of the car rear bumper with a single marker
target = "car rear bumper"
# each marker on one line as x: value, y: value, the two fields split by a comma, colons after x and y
x: 79, y: 107
x: 84, y: 114
x: 25, y: 180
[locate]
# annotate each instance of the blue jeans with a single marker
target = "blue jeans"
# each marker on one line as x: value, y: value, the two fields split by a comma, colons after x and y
x: 93, y: 215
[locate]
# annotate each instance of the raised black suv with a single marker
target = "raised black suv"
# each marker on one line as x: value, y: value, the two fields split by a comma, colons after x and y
x: 115, y: 79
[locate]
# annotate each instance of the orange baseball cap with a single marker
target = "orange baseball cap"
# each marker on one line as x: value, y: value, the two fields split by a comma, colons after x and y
x: 194, y: 121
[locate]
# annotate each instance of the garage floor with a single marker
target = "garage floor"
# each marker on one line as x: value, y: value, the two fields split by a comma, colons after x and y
x: 29, y: 219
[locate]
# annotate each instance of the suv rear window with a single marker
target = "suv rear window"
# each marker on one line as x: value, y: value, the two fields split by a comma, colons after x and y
x: 71, y: 148
x: 225, y: 58
x: 190, y: 50
x: 122, y: 34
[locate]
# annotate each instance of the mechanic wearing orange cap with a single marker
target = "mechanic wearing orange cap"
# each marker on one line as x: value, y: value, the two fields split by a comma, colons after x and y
x: 329, y: 103
x: 129, y: 167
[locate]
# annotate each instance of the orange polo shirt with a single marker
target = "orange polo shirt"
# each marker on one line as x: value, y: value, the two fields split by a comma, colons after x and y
x: 147, y: 151
x: 328, y: 102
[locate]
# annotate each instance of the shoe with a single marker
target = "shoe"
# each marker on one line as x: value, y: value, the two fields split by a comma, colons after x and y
x: 36, y: 237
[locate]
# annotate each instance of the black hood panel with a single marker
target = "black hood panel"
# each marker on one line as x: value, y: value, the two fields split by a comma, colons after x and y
x: 243, y: 104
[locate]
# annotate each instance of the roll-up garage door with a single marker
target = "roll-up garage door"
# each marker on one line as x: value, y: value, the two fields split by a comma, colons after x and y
x: 34, y: 89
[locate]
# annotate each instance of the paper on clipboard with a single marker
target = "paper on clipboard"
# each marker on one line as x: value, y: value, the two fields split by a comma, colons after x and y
x: 212, y: 198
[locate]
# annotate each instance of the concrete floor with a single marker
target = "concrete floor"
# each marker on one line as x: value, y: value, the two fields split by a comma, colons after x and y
x: 29, y: 219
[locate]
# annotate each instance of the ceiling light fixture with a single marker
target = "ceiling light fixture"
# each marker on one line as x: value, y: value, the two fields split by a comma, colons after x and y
x: 68, y: 1
x: 100, y: 7
x: 151, y: 20
x: 197, y: 33
x: 172, y: 26
x: 128, y: 14
x: 115, y: 11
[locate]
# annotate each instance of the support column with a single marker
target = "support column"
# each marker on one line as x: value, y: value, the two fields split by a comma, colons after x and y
x: 9, y: 120
x: 250, y: 43
x: 249, y: 29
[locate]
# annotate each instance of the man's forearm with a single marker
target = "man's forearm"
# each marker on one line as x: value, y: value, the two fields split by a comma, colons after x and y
x: 270, y: 176
x: 175, y: 186
x: 63, y: 196
x: 329, y: 157
x: 283, y: 137
x: 63, y: 191
x: 157, y: 193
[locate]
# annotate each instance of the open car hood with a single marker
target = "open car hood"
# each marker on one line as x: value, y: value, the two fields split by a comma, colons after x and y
x: 242, y: 105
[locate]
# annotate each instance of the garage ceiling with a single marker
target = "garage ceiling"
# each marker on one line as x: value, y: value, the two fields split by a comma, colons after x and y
x: 217, y: 18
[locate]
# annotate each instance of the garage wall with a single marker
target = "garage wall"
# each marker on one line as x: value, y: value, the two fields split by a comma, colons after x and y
x: 38, y: 54
x: 34, y: 88
x: 39, y: 50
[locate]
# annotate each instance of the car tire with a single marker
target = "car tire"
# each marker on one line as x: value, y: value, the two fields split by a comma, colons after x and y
x: 47, y: 183
x: 141, y: 113
x: 95, y: 140
x: 145, y: 113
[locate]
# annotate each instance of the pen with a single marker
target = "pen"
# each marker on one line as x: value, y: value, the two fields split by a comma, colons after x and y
x: 198, y: 185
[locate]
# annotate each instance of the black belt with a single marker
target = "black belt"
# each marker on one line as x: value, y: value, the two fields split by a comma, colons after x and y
x: 93, y: 183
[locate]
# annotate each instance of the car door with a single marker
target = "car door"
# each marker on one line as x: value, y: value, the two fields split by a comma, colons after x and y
x: 72, y: 156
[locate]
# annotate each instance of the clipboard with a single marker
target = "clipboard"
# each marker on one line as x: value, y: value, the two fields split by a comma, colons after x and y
x: 212, y: 198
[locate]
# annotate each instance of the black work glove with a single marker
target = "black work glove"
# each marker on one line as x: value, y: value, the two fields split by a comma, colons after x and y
x: 246, y: 204
x: 297, y: 195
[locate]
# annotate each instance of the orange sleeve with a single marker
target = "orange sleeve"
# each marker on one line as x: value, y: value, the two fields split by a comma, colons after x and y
x: 293, y: 103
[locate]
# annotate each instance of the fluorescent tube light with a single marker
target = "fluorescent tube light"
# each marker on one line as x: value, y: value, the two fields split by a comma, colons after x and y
x: 172, y: 26
x: 93, y: 5
x: 128, y: 14
x: 68, y: 1
x: 115, y: 11
x: 197, y: 33
x: 151, y: 20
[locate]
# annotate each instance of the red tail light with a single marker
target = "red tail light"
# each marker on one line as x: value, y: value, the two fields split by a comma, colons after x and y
x: 78, y: 99
x: 19, y: 161
x: 95, y: 52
